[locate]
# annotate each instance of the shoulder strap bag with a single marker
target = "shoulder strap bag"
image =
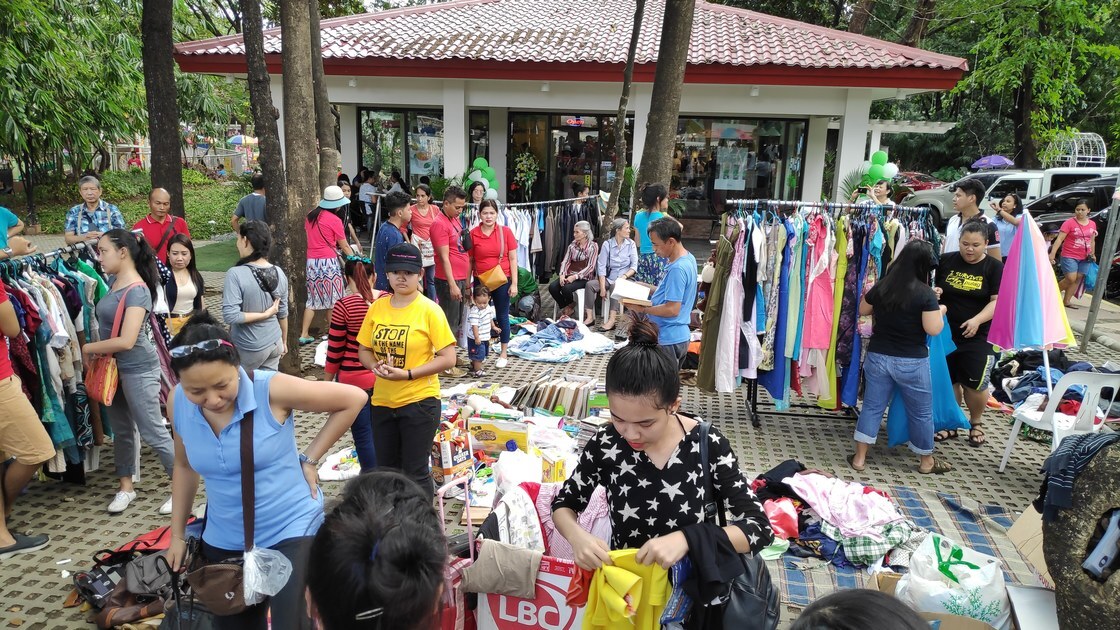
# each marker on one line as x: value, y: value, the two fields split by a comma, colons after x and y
x: 166, y: 234
x: 101, y: 375
x: 218, y: 586
x: 496, y: 277
x: 751, y: 600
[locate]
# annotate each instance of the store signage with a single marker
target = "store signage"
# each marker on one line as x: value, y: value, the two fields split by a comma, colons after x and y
x: 574, y: 122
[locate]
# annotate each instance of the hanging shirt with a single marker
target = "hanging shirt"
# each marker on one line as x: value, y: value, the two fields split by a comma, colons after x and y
x: 678, y: 284
x: 6, y: 371
x: 407, y: 338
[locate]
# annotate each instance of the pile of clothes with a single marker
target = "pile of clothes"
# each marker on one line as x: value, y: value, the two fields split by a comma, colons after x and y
x: 841, y: 522
x: 558, y: 342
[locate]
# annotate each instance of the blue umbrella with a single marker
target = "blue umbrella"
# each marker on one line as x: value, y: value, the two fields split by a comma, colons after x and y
x: 992, y: 161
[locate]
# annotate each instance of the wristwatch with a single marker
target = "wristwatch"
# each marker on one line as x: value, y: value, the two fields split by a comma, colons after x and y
x: 9, y: 252
x: 304, y: 459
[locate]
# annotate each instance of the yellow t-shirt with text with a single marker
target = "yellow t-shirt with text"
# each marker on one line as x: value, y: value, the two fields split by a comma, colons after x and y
x: 407, y: 338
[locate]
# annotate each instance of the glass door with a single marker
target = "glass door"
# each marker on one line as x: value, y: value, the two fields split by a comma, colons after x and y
x: 382, y: 141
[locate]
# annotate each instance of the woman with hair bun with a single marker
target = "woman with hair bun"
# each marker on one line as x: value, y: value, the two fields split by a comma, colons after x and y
x: 134, y: 279
x: 857, y: 609
x: 215, y: 398
x: 378, y: 560
x: 648, y: 459
x: 255, y: 300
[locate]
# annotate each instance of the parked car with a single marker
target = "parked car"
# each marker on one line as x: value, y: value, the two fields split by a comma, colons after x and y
x: 917, y: 181
x: 1051, y: 211
x: 1029, y: 185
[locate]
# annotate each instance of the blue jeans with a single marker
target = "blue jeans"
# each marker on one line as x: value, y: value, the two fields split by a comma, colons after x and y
x: 500, y: 296
x: 881, y: 375
x: 362, y: 432
x: 430, y: 282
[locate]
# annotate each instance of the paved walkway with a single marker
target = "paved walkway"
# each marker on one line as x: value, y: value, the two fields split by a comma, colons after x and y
x: 33, y: 587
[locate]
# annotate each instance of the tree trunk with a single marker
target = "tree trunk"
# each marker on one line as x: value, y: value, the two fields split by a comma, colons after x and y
x: 163, y: 108
x: 861, y: 15
x: 26, y: 163
x: 324, y: 115
x: 271, y: 159
x: 919, y: 21
x: 620, y: 121
x: 301, y: 163
x: 661, y: 128
x: 1026, y: 145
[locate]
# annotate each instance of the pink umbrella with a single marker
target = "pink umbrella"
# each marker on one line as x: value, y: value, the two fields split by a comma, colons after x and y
x: 1029, y: 310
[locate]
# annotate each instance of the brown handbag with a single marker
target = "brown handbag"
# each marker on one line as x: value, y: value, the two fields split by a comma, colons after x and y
x: 496, y: 277
x: 101, y: 377
x: 219, y: 585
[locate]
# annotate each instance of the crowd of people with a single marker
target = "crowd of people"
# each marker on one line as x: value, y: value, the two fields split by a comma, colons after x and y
x: 395, y: 319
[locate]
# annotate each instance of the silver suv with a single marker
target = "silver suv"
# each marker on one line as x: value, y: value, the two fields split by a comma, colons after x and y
x: 1029, y: 185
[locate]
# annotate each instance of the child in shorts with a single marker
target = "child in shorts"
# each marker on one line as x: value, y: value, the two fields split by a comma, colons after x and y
x: 480, y: 321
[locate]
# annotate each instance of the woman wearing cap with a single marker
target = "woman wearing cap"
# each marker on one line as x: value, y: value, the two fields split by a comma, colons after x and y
x: 406, y: 341
x: 325, y: 237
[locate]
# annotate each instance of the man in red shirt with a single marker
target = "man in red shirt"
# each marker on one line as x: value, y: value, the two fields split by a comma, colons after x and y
x: 159, y: 226
x: 453, y: 261
x: 22, y: 436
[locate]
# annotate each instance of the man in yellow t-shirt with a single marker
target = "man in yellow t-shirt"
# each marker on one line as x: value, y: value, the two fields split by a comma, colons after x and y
x: 406, y: 341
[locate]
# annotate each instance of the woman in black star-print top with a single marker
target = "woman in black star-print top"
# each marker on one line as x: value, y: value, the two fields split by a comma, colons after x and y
x: 648, y: 459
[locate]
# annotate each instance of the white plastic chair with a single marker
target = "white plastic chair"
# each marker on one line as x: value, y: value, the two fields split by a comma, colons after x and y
x: 1084, y: 422
x: 580, y: 306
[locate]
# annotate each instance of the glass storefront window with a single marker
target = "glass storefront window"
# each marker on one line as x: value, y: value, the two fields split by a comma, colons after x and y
x: 720, y: 159
x: 383, y: 140
x: 480, y: 135
x: 570, y: 148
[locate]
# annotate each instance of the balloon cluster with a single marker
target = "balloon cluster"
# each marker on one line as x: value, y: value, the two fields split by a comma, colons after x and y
x: 878, y: 168
x: 484, y: 173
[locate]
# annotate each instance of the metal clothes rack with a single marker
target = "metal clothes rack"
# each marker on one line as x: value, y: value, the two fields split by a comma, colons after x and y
x: 19, y: 260
x: 751, y: 385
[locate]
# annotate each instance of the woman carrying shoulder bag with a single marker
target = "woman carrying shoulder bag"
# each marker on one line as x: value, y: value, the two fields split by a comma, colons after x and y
x: 215, y: 398
x: 491, y: 247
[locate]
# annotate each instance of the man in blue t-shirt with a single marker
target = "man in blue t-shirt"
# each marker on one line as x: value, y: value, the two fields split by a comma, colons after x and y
x: 675, y: 295
x: 391, y: 232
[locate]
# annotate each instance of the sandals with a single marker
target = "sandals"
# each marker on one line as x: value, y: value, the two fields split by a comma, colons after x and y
x: 945, y: 434
x: 939, y: 467
x: 851, y: 458
x: 303, y: 341
x: 976, y: 440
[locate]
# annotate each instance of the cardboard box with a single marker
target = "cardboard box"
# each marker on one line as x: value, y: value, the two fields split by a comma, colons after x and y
x: 493, y: 435
x: 451, y: 455
x: 1026, y: 535
x: 886, y: 583
x: 547, y: 609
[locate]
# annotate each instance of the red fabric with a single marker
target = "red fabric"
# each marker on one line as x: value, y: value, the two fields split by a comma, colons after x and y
x: 342, y: 342
x: 153, y: 232
x: 487, y: 249
x: 156, y: 540
x: 579, y: 588
x: 783, y: 517
x: 445, y: 233
x: 5, y: 358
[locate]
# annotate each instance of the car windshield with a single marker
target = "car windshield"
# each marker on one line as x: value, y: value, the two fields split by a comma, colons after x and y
x: 985, y: 178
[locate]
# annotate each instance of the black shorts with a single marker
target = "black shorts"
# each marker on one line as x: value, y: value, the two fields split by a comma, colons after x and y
x: 971, y: 364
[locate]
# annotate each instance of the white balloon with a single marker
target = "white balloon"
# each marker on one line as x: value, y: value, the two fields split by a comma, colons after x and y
x: 485, y: 183
x: 492, y: 193
x: 890, y: 170
x: 475, y: 176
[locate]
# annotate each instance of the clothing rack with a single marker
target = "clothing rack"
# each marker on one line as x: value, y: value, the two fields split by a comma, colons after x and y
x: 907, y: 212
x: 46, y: 255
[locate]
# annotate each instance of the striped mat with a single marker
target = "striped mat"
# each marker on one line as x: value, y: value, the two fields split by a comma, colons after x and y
x: 981, y: 527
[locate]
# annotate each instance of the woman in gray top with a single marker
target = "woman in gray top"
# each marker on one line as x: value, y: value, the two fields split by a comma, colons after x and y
x: 255, y: 301
x: 131, y: 265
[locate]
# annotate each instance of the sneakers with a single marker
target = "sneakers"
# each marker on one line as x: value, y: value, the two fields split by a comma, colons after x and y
x: 166, y: 507
x: 502, y: 362
x: 121, y: 501
x: 454, y: 372
x: 462, y: 361
x: 24, y: 544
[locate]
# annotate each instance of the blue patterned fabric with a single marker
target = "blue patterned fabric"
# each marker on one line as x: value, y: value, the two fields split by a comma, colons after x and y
x: 80, y: 220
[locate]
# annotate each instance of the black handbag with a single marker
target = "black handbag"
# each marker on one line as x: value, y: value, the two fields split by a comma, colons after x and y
x: 751, y: 600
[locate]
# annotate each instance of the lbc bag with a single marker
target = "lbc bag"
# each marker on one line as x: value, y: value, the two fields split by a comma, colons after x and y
x: 751, y: 600
x: 101, y: 376
x: 947, y: 578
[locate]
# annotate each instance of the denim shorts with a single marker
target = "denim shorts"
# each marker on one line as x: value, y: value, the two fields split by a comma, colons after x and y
x: 477, y: 350
x: 1072, y: 265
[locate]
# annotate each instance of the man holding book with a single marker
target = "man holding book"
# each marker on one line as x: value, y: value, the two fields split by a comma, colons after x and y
x: 672, y: 301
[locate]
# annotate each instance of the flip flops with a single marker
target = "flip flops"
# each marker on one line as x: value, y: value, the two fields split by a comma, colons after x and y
x: 852, y: 458
x: 976, y: 437
x: 946, y: 434
x: 939, y: 467
x: 303, y: 341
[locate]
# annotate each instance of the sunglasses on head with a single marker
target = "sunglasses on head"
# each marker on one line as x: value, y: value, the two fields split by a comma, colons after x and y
x: 209, y: 345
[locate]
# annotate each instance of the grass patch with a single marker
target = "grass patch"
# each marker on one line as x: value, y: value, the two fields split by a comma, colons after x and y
x: 208, y: 208
x: 218, y: 256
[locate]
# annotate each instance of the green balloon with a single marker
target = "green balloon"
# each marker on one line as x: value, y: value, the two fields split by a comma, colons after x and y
x: 879, y: 157
x: 480, y: 163
x: 493, y: 182
x: 488, y: 172
x: 866, y: 180
x: 876, y: 172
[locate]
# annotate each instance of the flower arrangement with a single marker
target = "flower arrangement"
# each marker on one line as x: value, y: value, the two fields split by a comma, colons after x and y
x: 525, y: 167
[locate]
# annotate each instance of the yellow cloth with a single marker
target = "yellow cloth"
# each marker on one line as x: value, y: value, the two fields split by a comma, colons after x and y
x: 627, y: 595
x: 408, y: 338
x: 828, y: 399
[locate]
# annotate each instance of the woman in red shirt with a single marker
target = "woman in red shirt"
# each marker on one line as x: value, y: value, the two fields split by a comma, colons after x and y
x: 488, y: 252
x: 343, y: 364
x: 423, y: 213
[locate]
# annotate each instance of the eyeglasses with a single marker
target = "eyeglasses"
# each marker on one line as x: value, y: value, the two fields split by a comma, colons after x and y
x: 203, y: 346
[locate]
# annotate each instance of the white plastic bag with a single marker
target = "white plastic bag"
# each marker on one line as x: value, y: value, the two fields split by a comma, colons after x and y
x: 266, y: 572
x: 945, y: 577
x: 515, y: 467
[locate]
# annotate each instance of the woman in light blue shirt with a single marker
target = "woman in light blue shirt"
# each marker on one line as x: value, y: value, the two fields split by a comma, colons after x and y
x: 208, y: 409
x: 650, y: 266
x: 618, y: 258
x: 1009, y: 213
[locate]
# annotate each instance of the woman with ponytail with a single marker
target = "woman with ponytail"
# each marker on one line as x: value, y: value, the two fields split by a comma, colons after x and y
x: 378, y: 560
x: 343, y: 364
x: 134, y: 279
x: 648, y: 459
x: 255, y: 300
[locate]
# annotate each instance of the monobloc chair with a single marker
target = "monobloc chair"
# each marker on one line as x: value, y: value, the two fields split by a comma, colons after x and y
x: 1095, y: 385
